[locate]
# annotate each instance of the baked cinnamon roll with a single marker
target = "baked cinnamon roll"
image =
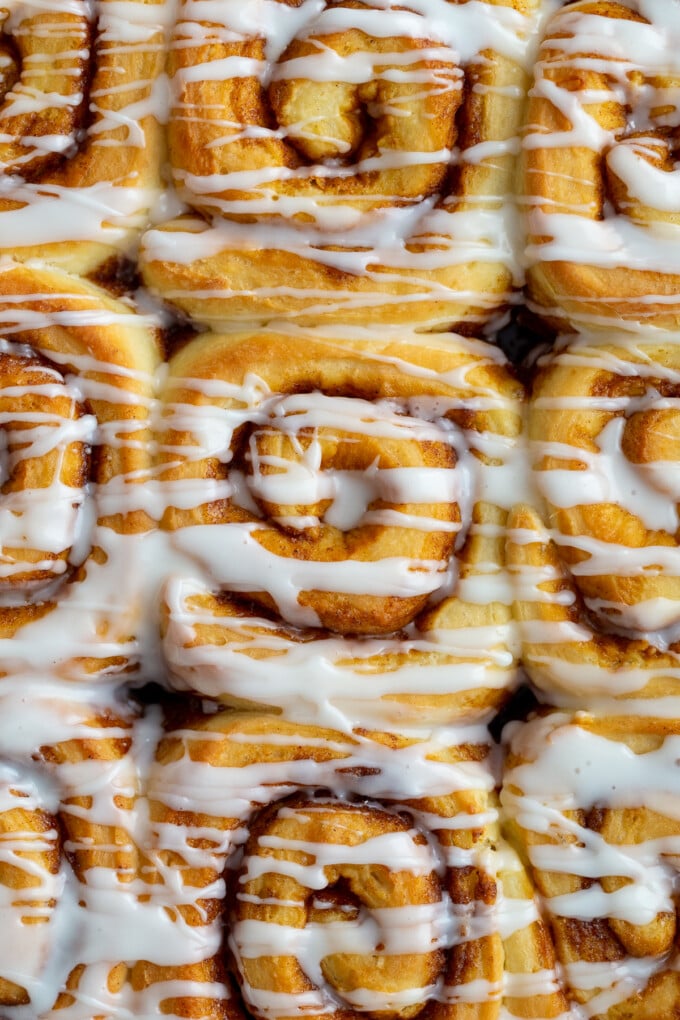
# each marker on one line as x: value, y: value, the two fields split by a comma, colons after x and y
x: 67, y: 857
x: 338, y: 512
x: 593, y: 803
x: 597, y: 575
x: 29, y: 885
x: 80, y: 135
x: 76, y: 375
x: 360, y: 874
x: 346, y: 161
x: 601, y: 182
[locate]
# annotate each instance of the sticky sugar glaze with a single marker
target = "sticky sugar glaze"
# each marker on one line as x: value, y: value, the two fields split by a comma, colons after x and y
x: 601, y: 183
x: 82, y: 98
x: 351, y: 162
x: 593, y: 803
x: 144, y: 842
x: 264, y: 509
x: 67, y: 853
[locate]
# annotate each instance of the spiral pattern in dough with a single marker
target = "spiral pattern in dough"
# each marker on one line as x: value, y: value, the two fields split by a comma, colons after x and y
x: 598, y: 580
x: 66, y: 852
x: 593, y: 804
x: 361, y: 872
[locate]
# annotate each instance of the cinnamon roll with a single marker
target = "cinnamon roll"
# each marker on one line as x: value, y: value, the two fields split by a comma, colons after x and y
x: 346, y: 161
x: 360, y: 873
x: 81, y: 103
x: 66, y: 856
x: 29, y: 884
x: 593, y: 804
x: 600, y: 167
x: 76, y: 370
x: 337, y: 510
x: 598, y: 576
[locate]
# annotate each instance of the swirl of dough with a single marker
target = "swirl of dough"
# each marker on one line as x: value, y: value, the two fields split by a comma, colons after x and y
x: 349, y: 160
x: 77, y: 372
x: 379, y: 135
x: 600, y: 165
x: 593, y: 803
x: 80, y: 135
x: 598, y: 579
x: 340, y: 515
x: 46, y: 438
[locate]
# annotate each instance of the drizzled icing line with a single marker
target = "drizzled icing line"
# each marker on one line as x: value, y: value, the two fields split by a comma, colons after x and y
x: 594, y: 804
x: 245, y: 781
x: 77, y: 371
x: 66, y: 847
x: 162, y: 830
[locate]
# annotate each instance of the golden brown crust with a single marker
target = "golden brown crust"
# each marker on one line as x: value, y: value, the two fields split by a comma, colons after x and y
x: 31, y: 853
x: 603, y: 920
x: 66, y: 328
x: 299, y: 799
x: 598, y: 593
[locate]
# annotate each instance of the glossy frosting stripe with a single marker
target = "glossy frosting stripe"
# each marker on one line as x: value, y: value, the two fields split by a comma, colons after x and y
x: 595, y: 574
x: 77, y: 371
x: 597, y: 812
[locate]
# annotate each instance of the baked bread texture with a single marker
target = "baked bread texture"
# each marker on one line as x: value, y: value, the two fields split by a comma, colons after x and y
x: 81, y: 143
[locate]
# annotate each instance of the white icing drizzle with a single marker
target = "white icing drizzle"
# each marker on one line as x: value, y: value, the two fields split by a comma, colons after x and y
x: 222, y: 649
x: 68, y: 541
x: 136, y: 831
x: 148, y: 831
x: 215, y: 777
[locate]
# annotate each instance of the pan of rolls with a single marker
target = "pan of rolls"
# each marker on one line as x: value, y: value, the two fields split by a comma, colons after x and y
x: 339, y: 539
